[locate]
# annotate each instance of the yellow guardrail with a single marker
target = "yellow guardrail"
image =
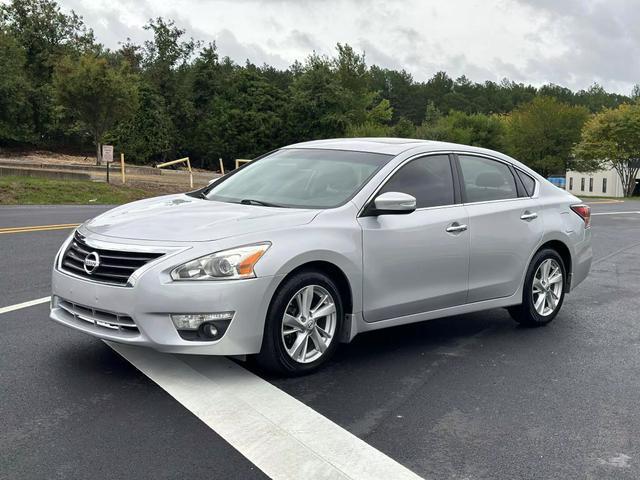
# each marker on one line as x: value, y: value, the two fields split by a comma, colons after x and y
x: 180, y: 160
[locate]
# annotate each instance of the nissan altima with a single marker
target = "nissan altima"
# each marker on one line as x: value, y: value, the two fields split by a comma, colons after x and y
x: 312, y: 244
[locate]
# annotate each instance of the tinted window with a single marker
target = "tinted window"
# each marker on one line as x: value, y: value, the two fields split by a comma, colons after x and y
x: 305, y: 178
x: 429, y: 179
x: 486, y: 180
x: 528, y: 182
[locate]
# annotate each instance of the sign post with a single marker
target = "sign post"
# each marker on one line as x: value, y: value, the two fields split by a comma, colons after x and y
x: 107, y: 156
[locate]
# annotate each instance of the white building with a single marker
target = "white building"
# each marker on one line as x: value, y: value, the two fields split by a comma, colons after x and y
x: 604, y: 183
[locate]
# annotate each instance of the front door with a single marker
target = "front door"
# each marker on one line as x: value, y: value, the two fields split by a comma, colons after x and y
x: 418, y: 262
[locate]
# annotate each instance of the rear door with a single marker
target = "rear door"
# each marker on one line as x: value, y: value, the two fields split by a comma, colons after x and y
x: 504, y: 226
x: 417, y: 262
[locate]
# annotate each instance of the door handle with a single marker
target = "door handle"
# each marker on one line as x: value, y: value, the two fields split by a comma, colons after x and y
x: 527, y: 215
x: 456, y: 228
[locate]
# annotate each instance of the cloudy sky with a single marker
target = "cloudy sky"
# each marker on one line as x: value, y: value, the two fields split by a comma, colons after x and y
x: 569, y: 42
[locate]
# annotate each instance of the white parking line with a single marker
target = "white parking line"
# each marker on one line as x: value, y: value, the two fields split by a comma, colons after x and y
x: 280, y: 435
x: 18, y: 306
x: 615, y: 213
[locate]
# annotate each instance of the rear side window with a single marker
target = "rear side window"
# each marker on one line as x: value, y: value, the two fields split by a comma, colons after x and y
x: 486, y: 180
x: 429, y: 179
x: 528, y: 182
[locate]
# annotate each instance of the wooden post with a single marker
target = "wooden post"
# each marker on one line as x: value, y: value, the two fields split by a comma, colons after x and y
x: 190, y: 173
x: 221, y: 166
x: 122, y: 167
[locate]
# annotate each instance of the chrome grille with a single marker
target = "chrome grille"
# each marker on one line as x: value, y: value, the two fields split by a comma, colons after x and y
x: 99, y: 318
x: 115, y: 266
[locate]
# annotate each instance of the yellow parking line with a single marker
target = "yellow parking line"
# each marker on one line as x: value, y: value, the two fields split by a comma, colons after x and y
x: 38, y: 228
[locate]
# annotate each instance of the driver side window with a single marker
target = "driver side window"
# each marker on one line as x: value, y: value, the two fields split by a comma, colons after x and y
x: 429, y: 179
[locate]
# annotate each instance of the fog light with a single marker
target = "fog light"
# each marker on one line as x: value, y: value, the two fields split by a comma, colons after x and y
x: 210, y: 330
x: 192, y: 321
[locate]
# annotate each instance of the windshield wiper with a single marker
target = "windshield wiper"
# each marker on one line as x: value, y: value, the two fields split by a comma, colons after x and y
x: 251, y: 201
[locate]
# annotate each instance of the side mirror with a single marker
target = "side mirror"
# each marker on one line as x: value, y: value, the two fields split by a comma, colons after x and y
x: 392, y: 203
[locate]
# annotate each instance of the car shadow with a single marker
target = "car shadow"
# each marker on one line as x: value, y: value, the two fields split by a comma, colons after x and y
x: 406, y: 344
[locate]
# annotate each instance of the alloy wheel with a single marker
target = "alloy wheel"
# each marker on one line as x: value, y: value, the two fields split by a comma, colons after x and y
x: 309, y: 324
x: 547, y: 287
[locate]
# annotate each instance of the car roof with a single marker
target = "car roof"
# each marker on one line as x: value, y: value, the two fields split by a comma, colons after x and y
x: 395, y: 146
x: 388, y: 145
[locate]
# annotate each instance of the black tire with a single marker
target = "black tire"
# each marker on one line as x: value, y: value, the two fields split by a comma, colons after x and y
x: 526, y: 313
x: 273, y: 356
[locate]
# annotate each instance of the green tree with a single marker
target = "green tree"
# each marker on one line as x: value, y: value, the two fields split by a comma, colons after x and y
x: 470, y: 129
x: 432, y: 113
x: 352, y: 75
x: 167, y: 66
x: 318, y: 102
x: 543, y: 132
x: 46, y: 34
x: 595, y: 98
x: 404, y: 129
x: 376, y: 123
x: 369, y: 129
x: 15, y: 108
x: 95, y: 94
x: 405, y: 96
x: 246, y: 117
x: 562, y: 94
x: 147, y: 134
x: 612, y: 139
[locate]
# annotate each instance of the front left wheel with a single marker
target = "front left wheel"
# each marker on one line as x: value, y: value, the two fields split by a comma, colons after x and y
x: 302, y: 325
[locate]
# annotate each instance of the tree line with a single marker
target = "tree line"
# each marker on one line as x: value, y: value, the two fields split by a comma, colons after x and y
x: 174, y: 96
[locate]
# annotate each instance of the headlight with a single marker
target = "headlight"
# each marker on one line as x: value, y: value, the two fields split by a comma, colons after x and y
x: 230, y: 264
x: 63, y: 248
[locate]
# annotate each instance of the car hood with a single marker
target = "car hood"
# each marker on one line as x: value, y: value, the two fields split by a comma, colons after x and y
x: 181, y: 218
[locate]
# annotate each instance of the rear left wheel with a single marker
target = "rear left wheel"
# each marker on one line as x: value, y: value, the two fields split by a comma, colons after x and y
x: 302, y: 325
x: 543, y: 290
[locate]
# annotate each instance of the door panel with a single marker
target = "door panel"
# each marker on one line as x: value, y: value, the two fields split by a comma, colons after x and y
x: 412, y: 264
x: 501, y: 245
x: 503, y: 228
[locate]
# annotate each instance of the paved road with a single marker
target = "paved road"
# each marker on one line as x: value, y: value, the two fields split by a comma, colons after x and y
x: 472, y: 396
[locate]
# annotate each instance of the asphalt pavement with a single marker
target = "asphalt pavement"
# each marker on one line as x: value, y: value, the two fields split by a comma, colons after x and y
x: 468, y: 397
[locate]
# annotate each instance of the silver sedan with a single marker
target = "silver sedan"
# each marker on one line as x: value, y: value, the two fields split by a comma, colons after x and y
x: 312, y: 244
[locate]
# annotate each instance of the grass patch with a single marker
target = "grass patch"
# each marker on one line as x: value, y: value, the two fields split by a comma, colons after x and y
x: 18, y: 190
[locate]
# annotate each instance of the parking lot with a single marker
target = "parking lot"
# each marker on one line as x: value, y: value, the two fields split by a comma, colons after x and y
x: 468, y: 397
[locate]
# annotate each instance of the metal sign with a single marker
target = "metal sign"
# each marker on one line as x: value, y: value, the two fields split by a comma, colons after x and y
x: 107, y: 153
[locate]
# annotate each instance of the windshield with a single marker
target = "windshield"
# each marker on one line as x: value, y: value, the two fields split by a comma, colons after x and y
x: 303, y: 178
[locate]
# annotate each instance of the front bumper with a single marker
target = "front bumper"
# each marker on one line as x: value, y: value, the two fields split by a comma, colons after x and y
x: 151, y: 301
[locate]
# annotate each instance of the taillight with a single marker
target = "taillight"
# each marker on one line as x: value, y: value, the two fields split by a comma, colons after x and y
x: 584, y: 211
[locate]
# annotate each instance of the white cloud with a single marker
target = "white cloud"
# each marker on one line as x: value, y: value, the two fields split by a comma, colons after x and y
x: 572, y: 42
